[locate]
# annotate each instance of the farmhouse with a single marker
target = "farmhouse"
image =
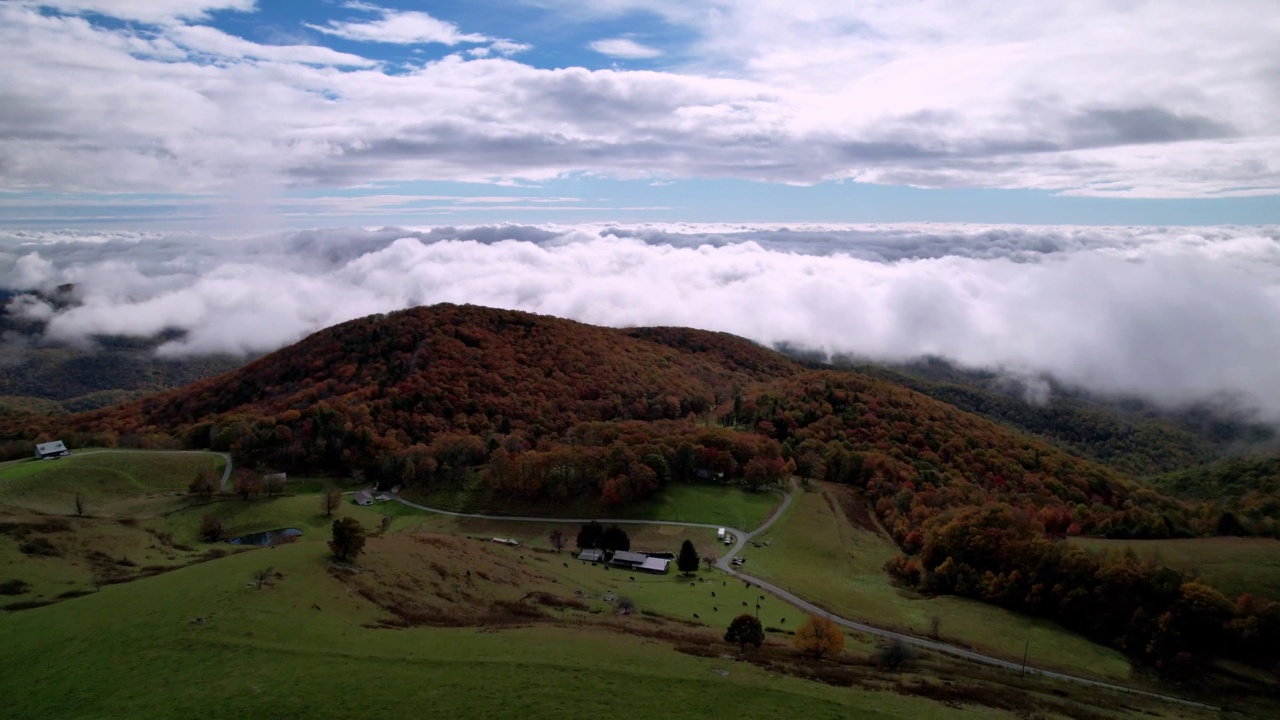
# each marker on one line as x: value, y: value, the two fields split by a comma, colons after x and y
x: 364, y: 497
x: 55, y: 449
x: 591, y: 555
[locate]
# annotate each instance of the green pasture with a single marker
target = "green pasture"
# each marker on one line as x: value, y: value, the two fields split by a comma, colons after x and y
x: 301, y: 648
x: 1230, y: 564
x: 711, y: 504
x: 817, y: 553
x: 110, y: 482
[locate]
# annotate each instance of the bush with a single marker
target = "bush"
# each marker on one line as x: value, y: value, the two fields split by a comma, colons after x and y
x: 39, y: 546
x: 745, y: 630
x: 211, y: 528
x: 14, y: 587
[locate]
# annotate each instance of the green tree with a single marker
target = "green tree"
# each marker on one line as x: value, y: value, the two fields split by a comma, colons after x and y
x: 211, y: 528
x: 745, y: 630
x: 589, y: 535
x: 348, y: 538
x: 615, y: 538
x: 688, y: 559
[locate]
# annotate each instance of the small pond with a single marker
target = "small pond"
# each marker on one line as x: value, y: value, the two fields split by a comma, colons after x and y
x: 267, y: 537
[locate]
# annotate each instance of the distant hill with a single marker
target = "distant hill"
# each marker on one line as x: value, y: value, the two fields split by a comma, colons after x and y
x: 38, y: 376
x: 1128, y: 434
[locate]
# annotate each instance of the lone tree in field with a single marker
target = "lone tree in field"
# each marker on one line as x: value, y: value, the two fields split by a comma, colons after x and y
x: 274, y: 483
x: 262, y: 576
x: 247, y: 482
x: 558, y: 540
x: 79, y: 505
x: 205, y: 483
x: 348, y: 538
x: 211, y: 528
x: 819, y: 637
x: 745, y: 630
x: 688, y: 559
x: 330, y: 501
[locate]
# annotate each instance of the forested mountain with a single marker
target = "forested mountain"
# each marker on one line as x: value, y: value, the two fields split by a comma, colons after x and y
x: 545, y: 409
x: 38, y: 375
x: 1129, y: 434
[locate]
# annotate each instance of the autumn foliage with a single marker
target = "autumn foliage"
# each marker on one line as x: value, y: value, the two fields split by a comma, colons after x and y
x: 819, y: 638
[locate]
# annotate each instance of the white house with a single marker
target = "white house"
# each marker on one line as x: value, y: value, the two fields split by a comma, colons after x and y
x: 50, y: 450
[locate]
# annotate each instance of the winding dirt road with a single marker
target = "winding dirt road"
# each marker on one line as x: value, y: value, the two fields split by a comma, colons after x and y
x: 743, y: 537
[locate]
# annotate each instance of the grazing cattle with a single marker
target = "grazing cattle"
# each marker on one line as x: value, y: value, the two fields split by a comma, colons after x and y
x: 691, y: 584
x: 713, y: 593
x: 565, y: 564
x: 723, y: 583
x: 784, y: 621
x: 715, y: 609
x: 632, y: 578
x: 744, y: 603
x: 761, y: 597
x: 696, y: 616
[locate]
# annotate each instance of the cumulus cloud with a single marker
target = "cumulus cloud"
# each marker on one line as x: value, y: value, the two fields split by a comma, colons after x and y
x: 1097, y: 98
x: 398, y: 27
x: 1175, y: 315
x: 625, y: 48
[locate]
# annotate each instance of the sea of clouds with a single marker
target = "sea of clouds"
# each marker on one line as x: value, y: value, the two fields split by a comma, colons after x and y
x: 1176, y: 315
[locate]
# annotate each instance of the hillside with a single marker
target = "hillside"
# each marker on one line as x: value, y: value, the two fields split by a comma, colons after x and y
x: 539, y: 410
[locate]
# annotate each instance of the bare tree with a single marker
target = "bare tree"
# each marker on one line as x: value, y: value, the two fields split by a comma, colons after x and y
x: 79, y: 505
x: 205, y: 483
x: 274, y: 483
x: 935, y: 626
x: 385, y: 525
x: 558, y: 540
x: 330, y: 501
x: 262, y: 576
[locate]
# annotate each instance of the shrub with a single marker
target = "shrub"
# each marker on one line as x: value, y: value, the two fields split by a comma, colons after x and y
x: 14, y: 587
x: 211, y: 528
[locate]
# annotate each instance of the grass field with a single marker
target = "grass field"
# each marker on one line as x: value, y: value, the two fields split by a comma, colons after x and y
x: 818, y: 553
x: 273, y: 649
x: 711, y: 504
x: 113, y: 483
x: 304, y: 647
x: 314, y: 643
x: 1232, y: 565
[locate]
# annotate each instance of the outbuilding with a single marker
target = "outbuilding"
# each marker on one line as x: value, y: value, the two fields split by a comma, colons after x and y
x: 655, y: 565
x: 591, y: 555
x: 50, y: 450
x: 364, y: 497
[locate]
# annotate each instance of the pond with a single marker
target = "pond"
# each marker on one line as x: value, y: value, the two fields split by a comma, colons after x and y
x: 267, y: 537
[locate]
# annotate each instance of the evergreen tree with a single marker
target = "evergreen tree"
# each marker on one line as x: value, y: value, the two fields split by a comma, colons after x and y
x: 614, y: 538
x: 688, y: 559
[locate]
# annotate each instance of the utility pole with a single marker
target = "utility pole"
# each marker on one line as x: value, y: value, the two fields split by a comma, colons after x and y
x: 1025, y: 649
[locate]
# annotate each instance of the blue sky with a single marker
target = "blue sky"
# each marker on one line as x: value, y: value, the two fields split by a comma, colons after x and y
x: 236, y: 114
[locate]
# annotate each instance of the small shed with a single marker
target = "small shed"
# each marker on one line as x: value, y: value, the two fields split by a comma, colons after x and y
x: 591, y: 555
x: 364, y: 497
x: 54, y: 449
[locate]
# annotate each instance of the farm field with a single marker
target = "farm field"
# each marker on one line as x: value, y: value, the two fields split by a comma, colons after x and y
x: 1231, y: 564
x: 324, y: 643
x: 711, y: 504
x: 306, y: 645
x: 818, y: 553
x: 115, y: 483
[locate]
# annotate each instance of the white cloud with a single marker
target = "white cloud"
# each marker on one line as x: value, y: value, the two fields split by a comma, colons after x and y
x: 398, y: 27
x: 150, y: 11
x: 1095, y: 98
x: 1176, y: 315
x: 625, y: 48
x: 205, y: 39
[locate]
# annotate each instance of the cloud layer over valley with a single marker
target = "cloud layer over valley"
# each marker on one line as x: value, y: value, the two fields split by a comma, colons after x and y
x: 1176, y: 315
